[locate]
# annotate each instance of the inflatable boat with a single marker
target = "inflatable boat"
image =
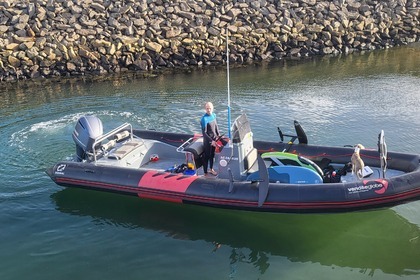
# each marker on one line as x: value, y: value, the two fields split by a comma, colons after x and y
x: 251, y: 175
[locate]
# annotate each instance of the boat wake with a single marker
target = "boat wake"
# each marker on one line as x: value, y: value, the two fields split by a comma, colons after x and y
x: 31, y: 145
x: 46, y: 130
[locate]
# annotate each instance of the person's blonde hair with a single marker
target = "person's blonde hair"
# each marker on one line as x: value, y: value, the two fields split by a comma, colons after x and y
x: 208, y: 103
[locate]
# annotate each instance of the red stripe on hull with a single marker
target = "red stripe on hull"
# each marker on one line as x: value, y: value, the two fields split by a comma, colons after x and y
x: 166, y: 181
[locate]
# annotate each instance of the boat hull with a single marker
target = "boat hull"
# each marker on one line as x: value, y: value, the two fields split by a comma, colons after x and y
x: 244, y: 195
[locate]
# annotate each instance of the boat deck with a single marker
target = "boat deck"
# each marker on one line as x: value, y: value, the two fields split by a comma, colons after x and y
x: 172, y: 162
x: 163, y: 164
x: 349, y: 177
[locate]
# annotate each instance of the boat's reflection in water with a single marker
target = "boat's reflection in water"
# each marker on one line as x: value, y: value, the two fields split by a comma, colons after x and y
x: 364, y: 240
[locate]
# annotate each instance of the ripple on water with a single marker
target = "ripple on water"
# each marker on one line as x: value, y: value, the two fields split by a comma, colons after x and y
x: 30, y: 144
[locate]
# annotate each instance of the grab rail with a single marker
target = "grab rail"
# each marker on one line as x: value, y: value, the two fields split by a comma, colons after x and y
x: 181, y: 148
x: 112, y: 132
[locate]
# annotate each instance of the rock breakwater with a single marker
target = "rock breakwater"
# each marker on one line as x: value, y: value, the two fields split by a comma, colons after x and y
x: 48, y: 38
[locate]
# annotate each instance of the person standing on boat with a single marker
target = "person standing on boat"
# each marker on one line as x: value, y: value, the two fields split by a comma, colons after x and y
x: 210, y: 132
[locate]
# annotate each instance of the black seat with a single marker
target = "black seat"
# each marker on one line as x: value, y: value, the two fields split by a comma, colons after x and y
x: 196, y: 148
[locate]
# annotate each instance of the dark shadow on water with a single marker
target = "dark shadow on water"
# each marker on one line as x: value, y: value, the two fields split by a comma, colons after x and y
x: 366, y: 241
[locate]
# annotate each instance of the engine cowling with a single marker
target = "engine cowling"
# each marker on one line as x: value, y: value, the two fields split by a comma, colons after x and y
x: 87, y: 130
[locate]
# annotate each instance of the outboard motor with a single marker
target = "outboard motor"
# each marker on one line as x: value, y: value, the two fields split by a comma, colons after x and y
x: 87, y: 130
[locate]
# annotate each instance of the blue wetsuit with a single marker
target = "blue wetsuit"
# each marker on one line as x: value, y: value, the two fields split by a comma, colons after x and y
x: 210, y: 132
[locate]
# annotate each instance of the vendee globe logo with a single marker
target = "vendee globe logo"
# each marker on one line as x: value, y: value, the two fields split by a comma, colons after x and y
x: 378, y: 186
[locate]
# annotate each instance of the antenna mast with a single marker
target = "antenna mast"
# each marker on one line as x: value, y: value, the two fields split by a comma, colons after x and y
x: 228, y: 81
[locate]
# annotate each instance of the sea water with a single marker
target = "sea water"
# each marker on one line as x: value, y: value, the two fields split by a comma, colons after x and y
x: 49, y: 232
